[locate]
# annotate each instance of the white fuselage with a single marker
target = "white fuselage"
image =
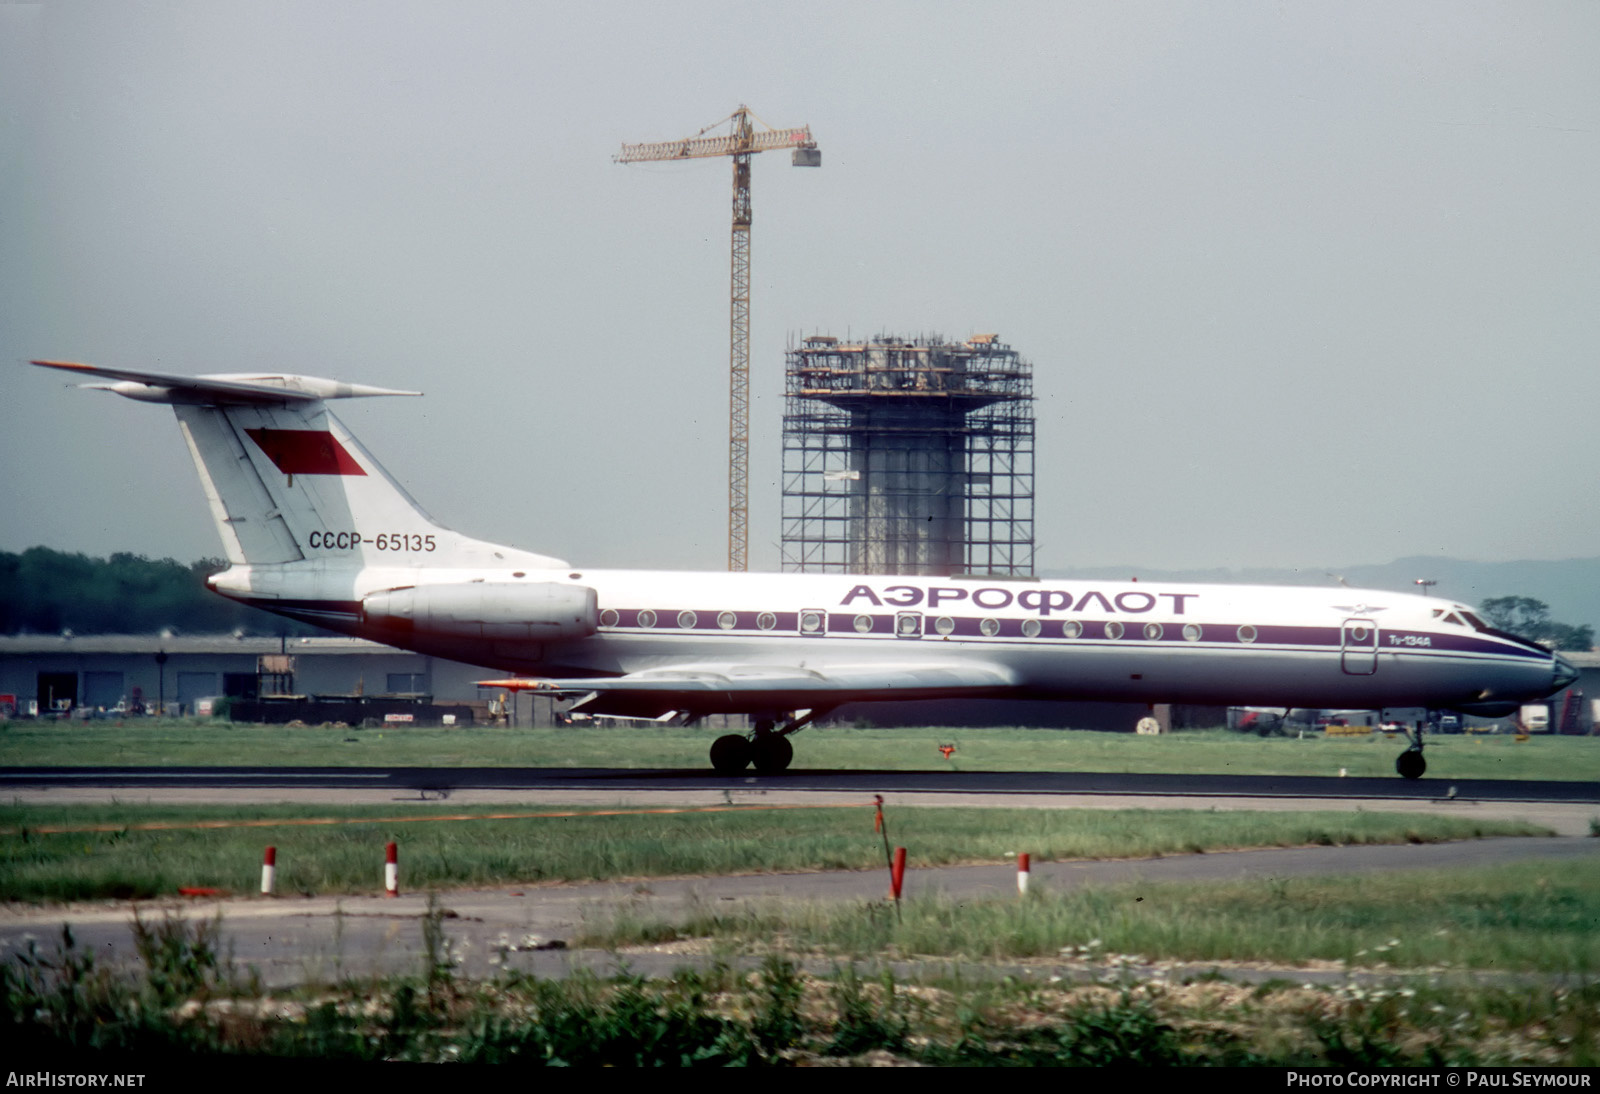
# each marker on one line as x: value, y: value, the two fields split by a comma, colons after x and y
x: 1131, y: 641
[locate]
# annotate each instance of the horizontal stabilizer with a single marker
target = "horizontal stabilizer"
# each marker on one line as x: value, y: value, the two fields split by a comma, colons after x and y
x: 222, y: 389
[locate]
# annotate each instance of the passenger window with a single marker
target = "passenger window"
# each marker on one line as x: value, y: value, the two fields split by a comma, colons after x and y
x: 766, y: 621
x: 647, y: 618
x: 863, y: 624
x: 1113, y: 630
x: 990, y: 627
x: 727, y: 621
x: 944, y: 625
x: 1031, y: 628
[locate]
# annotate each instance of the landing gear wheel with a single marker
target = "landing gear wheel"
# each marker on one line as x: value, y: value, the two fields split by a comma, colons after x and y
x: 771, y: 754
x: 1411, y: 765
x: 730, y: 754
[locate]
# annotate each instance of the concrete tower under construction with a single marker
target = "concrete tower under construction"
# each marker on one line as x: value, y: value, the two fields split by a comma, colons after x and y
x: 908, y: 456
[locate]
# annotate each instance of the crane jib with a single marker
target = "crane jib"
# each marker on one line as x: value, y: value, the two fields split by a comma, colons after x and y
x: 728, y: 145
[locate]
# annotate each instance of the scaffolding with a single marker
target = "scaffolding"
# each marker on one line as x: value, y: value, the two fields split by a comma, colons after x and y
x: 908, y: 457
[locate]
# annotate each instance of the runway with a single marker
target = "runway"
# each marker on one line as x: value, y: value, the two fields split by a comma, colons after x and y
x: 418, y: 780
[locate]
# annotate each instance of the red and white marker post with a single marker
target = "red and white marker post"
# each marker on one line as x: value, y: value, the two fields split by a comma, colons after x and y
x: 391, y: 870
x: 897, y: 873
x: 1023, y: 864
x: 269, y: 871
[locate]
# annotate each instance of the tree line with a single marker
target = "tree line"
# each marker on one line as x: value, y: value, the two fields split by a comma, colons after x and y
x: 1522, y: 615
x: 43, y: 591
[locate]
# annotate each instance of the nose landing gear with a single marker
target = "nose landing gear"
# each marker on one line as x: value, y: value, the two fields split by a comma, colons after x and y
x: 1410, y: 764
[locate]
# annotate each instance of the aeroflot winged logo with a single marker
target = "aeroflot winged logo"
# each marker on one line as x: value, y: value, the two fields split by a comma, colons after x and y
x: 305, y: 451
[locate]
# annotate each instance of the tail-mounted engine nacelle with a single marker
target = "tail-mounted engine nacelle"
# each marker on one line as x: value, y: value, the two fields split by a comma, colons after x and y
x: 488, y: 609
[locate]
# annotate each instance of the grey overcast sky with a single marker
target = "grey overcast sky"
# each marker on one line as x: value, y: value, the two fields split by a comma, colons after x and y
x: 1302, y: 283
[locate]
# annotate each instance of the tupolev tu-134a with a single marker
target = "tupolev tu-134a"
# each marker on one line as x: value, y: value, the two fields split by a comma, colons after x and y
x: 316, y: 530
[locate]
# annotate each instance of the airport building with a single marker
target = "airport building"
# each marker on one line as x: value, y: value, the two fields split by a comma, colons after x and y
x: 276, y: 679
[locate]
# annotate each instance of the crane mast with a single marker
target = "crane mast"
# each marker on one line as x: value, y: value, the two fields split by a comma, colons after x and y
x: 741, y: 142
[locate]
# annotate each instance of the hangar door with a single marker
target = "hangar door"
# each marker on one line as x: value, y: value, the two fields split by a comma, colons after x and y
x: 57, y: 690
x: 195, y: 685
x: 102, y: 690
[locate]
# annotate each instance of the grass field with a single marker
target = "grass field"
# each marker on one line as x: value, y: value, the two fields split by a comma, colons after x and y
x: 128, y: 861
x: 201, y: 744
x: 1527, y: 916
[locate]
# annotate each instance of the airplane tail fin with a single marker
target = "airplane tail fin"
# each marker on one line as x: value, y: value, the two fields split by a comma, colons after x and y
x: 286, y: 481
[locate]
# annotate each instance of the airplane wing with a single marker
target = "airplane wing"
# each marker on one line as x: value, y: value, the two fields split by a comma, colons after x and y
x: 713, y: 689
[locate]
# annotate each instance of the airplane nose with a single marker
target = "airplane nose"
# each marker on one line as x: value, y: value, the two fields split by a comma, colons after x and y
x: 1562, y: 674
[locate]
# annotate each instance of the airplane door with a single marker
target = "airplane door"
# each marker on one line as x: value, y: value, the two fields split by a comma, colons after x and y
x: 908, y: 624
x: 813, y: 623
x: 1358, y: 654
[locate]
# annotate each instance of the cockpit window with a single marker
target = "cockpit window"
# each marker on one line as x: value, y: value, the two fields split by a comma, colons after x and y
x: 1454, y: 618
x: 1477, y: 624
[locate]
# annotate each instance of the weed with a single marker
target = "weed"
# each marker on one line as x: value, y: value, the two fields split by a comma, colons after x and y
x: 777, y: 1026
x: 65, y: 997
x: 439, y: 959
x: 1127, y: 1032
x: 181, y: 960
x: 632, y: 1024
x: 862, y: 1023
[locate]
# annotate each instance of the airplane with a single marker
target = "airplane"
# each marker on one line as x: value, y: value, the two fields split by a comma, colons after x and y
x: 315, y: 530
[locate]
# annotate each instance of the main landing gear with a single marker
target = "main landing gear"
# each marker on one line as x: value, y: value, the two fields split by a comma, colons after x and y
x: 766, y: 748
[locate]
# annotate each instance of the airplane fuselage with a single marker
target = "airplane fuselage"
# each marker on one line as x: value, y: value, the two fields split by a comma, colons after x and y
x: 1099, y: 640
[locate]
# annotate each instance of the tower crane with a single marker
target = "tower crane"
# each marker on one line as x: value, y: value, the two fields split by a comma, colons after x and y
x: 741, y: 142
